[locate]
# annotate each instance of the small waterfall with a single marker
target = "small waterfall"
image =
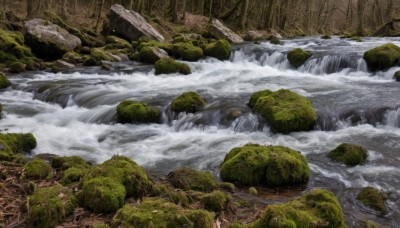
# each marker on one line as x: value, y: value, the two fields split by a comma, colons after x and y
x: 329, y: 64
x: 392, y: 118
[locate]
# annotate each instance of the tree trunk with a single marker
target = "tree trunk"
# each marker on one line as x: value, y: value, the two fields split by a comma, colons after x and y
x: 101, y: 2
x: 210, y: 11
x: 64, y: 9
x: 360, y: 16
x: 243, y: 14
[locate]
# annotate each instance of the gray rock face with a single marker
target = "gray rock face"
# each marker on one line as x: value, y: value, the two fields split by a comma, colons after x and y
x: 219, y: 30
x: 131, y: 25
x: 49, y: 41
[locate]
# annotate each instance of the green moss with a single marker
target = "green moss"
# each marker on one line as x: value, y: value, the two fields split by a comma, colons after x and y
x: 167, y: 192
x: 274, y: 40
x: 189, y: 179
x: 254, y: 164
x: 73, y: 175
x: 178, y: 38
x: 137, y: 112
x: 4, y: 82
x: 349, y: 154
x: 298, y: 57
x: 169, y: 48
x: 286, y: 111
x: 100, y: 54
x: 227, y: 186
x: 255, y: 96
x: 326, y: 37
x: 190, y: 102
x: 14, y: 144
x: 151, y: 54
x: 6, y: 58
x: 220, y: 50
x: 215, y: 201
x: 74, y: 168
x: 160, y: 213
x: 100, y: 225
x: 72, y: 57
x: 372, y: 198
x: 49, y: 206
x: 18, y: 67
x: 37, y: 169
x: 170, y: 66
x: 188, y: 52
x: 118, y: 42
x: 397, y: 76
x: 317, y: 208
x: 102, y: 195
x: 253, y: 191
x: 90, y: 61
x: 12, y: 43
x: 382, y: 57
x: 371, y: 224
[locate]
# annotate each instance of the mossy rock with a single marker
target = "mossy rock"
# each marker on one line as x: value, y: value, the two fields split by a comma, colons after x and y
x: 74, y: 168
x: 255, y: 164
x: 136, y: 112
x: 118, y: 42
x: 161, y: 213
x: 227, y: 186
x: 18, y: 67
x: 216, y: 201
x: 102, y: 195
x: 317, y: 208
x: 100, y: 54
x: 356, y: 38
x: 126, y: 172
x: 72, y: 57
x: 151, y: 55
x: 169, y: 48
x: 373, y: 198
x: 49, y: 206
x: 220, y: 50
x: 12, y: 47
x: 253, y: 191
x: 349, y: 154
x: 371, y: 224
x: 382, y: 57
x: 188, y: 52
x: 189, y: 102
x: 326, y: 37
x: 298, y: 57
x: 37, y: 169
x: 397, y: 76
x: 284, y: 110
x: 179, y: 38
x: 189, y: 179
x: 12, y: 145
x: 167, y: 192
x: 255, y: 96
x: 275, y: 40
x: 4, y: 82
x: 170, y: 66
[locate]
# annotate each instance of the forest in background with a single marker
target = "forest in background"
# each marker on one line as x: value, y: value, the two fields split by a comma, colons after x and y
x: 288, y: 17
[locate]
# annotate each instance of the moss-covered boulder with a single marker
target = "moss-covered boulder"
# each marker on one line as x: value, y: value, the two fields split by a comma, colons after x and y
x: 118, y: 43
x: 371, y: 224
x: 349, y: 154
x: 189, y: 102
x: 220, y: 50
x: 255, y: 96
x: 189, y: 179
x: 171, y: 194
x: 74, y: 168
x: 284, y: 110
x: 255, y: 164
x: 216, y: 201
x: 12, y: 145
x: 17, y: 67
x: 169, y: 48
x: 4, y: 82
x: 397, y: 76
x: 151, y: 55
x: 12, y: 46
x: 253, y: 191
x: 188, y: 52
x: 161, y: 213
x: 49, y: 206
x: 382, y: 57
x: 274, y: 40
x: 170, y: 66
x: 37, y: 169
x: 227, y: 186
x: 73, y: 57
x: 298, y: 57
x: 137, y: 112
x: 373, y: 198
x: 317, y: 208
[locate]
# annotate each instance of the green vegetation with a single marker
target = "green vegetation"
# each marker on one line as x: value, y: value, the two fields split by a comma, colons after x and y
x: 170, y: 66
x: 317, y: 208
x: 349, y: 154
x: 37, y: 169
x: 255, y: 164
x: 189, y: 179
x: 4, y: 82
x: 189, y: 102
x: 118, y: 43
x: 227, y: 186
x: 372, y: 198
x: 220, y: 50
x: 136, y: 112
x: 215, y: 201
x: 151, y: 54
x: 253, y: 191
x: 49, y: 206
x: 14, y: 144
x: 168, y: 193
x: 382, y: 57
x: 298, y: 57
x: 17, y: 67
x: 161, y: 213
x: 12, y: 49
x: 284, y: 110
x: 74, y: 168
x: 188, y: 52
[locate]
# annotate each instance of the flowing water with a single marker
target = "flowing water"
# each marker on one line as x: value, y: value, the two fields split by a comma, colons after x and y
x: 75, y: 114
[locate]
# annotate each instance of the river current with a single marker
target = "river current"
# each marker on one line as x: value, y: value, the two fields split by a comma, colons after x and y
x: 74, y: 113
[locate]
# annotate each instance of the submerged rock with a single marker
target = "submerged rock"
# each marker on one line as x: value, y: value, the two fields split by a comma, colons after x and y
x: 61, y: 65
x: 4, y: 82
x: 189, y: 179
x: 220, y: 50
x: 382, y: 57
x: 131, y: 25
x: 49, y: 41
x: 284, y: 110
x: 373, y: 198
x: 170, y: 66
x: 317, y: 208
x: 37, y: 169
x: 137, y: 112
x: 189, y: 102
x: 220, y: 31
x: 298, y: 57
x: 349, y: 154
x: 255, y: 164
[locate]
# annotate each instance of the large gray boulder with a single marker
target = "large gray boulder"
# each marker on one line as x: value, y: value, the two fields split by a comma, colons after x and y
x: 130, y: 24
x: 391, y: 28
x: 49, y: 41
x: 220, y: 31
